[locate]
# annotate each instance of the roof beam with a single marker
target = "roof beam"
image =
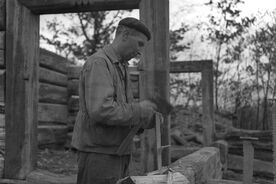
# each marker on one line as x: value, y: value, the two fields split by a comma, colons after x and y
x: 71, y: 6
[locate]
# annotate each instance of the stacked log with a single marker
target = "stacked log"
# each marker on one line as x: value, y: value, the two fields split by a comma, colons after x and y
x: 2, y: 82
x: 52, y: 107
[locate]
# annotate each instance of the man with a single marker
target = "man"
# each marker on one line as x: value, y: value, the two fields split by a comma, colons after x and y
x: 107, y: 112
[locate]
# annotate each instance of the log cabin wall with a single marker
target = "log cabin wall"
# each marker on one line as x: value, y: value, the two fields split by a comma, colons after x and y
x: 2, y: 83
x: 52, y: 106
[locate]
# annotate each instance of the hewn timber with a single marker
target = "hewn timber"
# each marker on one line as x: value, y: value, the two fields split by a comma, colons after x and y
x: 2, y: 85
x: 155, y: 66
x: 178, y: 152
x: 2, y: 15
x: 69, y: 6
x: 52, y: 94
x: 22, y: 52
x: 177, y: 178
x: 52, y: 113
x: 52, y: 61
x: 200, y: 166
x: 52, y: 77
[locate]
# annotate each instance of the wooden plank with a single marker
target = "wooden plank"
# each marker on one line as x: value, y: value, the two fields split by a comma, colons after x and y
x: 208, y: 103
x: 2, y: 15
x: 52, y: 77
x: 2, y: 85
x: 2, y: 40
x: 52, y: 113
x: 52, y: 94
x: 178, y: 152
x: 69, y: 6
x: 52, y: 61
x: 73, y: 87
x: 248, y: 157
x: 74, y: 72
x: 155, y: 63
x: 22, y: 43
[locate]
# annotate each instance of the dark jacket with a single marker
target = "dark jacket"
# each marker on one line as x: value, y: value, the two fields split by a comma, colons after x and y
x: 107, y: 111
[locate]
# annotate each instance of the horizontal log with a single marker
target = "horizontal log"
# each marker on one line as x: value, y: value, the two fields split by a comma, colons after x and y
x: 2, y: 40
x: 2, y: 120
x: 49, y: 93
x: 235, y: 162
x: 2, y: 58
x: 70, y: 6
x: 74, y: 72
x: 43, y: 177
x: 200, y: 166
x: 53, y: 61
x: 259, y: 153
x: 73, y: 87
x: 52, y: 134
x: 189, y: 66
x: 73, y: 103
x: 2, y: 15
x: 52, y: 77
x: 2, y: 85
x: 52, y: 113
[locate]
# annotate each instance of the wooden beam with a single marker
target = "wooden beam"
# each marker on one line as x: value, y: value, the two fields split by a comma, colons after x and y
x: 52, y: 94
x: 70, y: 6
x: 52, y: 61
x: 2, y: 59
x: 52, y: 113
x: 199, y: 166
x: 22, y: 35
x: 189, y: 66
x: 52, y: 77
x: 207, y: 103
x: 2, y: 15
x: 155, y: 63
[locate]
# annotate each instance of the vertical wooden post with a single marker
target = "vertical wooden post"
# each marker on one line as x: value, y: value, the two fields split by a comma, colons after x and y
x: 207, y: 104
x: 155, y: 63
x: 22, y: 44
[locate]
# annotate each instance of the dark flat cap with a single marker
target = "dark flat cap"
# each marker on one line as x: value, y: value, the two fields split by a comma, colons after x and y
x: 137, y: 25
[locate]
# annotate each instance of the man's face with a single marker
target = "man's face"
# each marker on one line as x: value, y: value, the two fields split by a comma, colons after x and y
x: 134, y: 45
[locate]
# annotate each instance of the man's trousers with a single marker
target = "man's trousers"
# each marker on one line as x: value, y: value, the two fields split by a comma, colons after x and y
x: 98, y: 168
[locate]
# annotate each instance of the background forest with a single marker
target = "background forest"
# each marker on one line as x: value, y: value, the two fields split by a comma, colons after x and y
x: 242, y: 47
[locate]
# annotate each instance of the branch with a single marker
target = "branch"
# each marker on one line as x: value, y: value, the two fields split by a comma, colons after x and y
x: 83, y: 29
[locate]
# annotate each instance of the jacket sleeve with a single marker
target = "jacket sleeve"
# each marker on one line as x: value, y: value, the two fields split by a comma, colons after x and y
x: 99, y: 98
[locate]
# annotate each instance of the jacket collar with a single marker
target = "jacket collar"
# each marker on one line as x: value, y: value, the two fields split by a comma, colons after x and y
x: 110, y: 52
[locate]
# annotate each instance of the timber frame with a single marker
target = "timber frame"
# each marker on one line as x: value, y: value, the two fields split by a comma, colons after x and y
x: 205, y: 67
x: 22, y: 56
